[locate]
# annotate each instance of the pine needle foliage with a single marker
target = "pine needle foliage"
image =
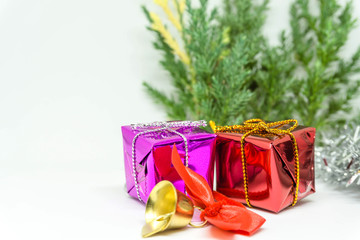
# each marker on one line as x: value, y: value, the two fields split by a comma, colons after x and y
x: 327, y: 84
x: 223, y: 68
x: 213, y: 84
x: 272, y: 67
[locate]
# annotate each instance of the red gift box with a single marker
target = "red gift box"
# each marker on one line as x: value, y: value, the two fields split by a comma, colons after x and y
x: 271, y: 163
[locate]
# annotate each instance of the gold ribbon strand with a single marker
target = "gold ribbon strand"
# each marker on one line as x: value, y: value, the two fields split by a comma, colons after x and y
x: 261, y: 128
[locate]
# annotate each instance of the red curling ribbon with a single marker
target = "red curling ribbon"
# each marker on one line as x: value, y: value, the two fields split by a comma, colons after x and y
x: 220, y: 211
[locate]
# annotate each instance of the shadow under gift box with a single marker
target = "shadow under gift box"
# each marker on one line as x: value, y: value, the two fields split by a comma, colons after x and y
x: 270, y: 165
x: 153, y: 157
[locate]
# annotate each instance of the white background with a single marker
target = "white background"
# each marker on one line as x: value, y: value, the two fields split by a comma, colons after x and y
x: 70, y: 76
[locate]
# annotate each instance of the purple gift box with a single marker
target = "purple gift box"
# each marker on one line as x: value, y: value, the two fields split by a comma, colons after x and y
x: 147, y: 154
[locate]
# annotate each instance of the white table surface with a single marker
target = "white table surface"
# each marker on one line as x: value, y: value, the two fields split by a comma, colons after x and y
x: 94, y: 205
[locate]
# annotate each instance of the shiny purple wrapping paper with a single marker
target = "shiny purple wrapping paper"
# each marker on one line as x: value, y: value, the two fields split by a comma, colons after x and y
x: 149, y: 147
x: 270, y: 164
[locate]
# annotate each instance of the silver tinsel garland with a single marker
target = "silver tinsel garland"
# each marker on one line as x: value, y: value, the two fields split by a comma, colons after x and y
x: 338, y: 159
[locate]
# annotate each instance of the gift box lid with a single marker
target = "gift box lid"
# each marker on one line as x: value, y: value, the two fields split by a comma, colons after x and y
x: 161, y: 138
x: 268, y: 141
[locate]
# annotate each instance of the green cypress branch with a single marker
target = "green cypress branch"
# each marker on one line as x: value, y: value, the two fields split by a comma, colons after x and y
x: 227, y: 71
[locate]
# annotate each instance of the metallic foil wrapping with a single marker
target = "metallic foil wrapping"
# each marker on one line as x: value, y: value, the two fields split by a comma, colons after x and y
x: 153, y: 157
x: 270, y: 165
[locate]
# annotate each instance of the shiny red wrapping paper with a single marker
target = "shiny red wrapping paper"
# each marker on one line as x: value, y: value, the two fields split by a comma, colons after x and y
x: 270, y: 165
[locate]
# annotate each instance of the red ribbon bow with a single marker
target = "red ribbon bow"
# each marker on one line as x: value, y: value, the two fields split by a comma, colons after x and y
x: 219, y: 210
x: 163, y: 165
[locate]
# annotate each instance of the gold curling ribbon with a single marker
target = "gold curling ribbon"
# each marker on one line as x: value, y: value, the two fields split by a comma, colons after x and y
x: 261, y: 128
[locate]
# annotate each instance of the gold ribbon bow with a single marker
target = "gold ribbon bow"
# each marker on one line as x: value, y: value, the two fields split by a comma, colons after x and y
x: 261, y: 128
